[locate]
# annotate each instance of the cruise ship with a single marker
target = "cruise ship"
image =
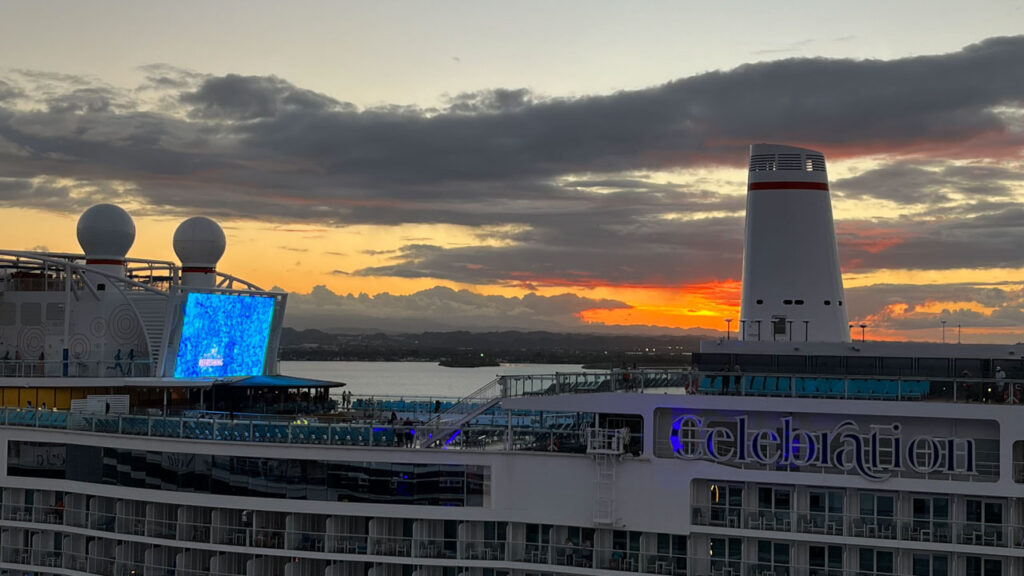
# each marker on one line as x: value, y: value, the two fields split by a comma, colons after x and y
x: 147, y: 431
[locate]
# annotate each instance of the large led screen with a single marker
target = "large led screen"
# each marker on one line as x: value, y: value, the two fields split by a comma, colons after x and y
x: 223, y: 335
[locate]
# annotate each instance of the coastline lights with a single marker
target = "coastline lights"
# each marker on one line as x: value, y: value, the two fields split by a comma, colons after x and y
x: 874, y: 453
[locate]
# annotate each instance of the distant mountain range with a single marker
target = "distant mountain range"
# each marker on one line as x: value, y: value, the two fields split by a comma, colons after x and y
x: 506, y: 346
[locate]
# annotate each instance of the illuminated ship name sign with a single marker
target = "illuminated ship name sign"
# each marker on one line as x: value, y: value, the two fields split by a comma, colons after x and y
x: 875, y: 453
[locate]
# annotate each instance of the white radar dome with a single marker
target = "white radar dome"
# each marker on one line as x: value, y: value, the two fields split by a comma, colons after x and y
x: 199, y: 242
x: 106, y: 231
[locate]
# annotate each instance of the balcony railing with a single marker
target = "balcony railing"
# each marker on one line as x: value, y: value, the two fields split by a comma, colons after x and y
x: 246, y: 537
x: 861, y: 526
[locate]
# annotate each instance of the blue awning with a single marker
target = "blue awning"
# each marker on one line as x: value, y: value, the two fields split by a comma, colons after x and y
x: 278, y: 381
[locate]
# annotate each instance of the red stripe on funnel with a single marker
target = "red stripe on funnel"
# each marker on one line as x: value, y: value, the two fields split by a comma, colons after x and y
x: 787, y: 186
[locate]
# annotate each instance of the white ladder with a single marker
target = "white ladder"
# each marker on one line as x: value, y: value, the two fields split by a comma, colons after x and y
x: 604, y: 508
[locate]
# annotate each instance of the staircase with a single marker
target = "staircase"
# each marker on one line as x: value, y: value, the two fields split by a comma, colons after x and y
x: 447, y: 423
x: 152, y: 310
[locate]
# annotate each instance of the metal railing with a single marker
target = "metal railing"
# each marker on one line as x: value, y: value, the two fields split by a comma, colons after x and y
x: 375, y: 547
x: 879, y: 527
x: 139, y: 368
x: 298, y: 430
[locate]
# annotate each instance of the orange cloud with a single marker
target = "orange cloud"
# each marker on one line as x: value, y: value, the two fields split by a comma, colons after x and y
x: 703, y: 305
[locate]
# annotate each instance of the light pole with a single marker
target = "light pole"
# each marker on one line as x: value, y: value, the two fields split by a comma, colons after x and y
x: 728, y: 325
x: 943, y: 331
x: 862, y: 327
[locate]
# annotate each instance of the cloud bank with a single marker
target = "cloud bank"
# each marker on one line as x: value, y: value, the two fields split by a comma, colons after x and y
x: 579, y: 182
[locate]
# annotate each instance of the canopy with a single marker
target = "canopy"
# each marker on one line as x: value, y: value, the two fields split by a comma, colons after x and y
x: 277, y: 381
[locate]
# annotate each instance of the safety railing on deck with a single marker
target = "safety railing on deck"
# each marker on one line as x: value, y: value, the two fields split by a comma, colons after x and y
x: 827, y: 386
x: 847, y: 387
x: 138, y: 368
x: 552, y: 434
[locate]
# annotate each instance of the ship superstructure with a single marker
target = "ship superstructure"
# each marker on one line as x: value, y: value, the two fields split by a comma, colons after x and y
x: 796, y: 452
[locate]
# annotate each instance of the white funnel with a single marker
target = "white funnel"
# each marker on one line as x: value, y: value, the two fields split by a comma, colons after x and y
x: 792, y: 286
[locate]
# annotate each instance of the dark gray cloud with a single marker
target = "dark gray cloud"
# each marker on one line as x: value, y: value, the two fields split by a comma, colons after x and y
x: 56, y: 195
x: 163, y: 76
x: 9, y: 91
x: 440, y: 308
x: 930, y: 183
x: 490, y: 101
x: 235, y: 97
x: 566, y: 177
x: 985, y: 240
x: 865, y: 300
x: 911, y: 306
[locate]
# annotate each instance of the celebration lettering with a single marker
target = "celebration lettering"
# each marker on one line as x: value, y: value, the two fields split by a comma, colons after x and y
x: 875, y: 453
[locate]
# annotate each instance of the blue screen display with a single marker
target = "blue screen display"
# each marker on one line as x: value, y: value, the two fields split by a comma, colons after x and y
x: 224, y: 335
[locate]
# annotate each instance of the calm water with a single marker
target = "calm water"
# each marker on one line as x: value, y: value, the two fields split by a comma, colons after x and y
x: 413, y: 379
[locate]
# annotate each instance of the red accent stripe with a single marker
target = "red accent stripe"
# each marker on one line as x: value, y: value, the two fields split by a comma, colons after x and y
x: 198, y: 270
x: 788, y: 186
x: 102, y: 261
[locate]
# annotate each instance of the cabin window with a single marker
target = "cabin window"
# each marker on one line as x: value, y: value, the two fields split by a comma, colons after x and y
x: 31, y: 314
x: 8, y: 313
x: 54, y: 312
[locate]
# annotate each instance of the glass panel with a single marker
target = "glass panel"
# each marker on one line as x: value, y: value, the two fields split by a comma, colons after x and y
x: 921, y: 565
x: 867, y: 504
x: 867, y: 559
x: 782, y: 500
x: 973, y: 511
x: 816, y: 556
x: 835, y: 557
x: 253, y: 477
x: 781, y: 553
x: 886, y: 506
x: 764, y: 551
x: 883, y: 562
x: 993, y: 513
x: 735, y: 496
x: 922, y: 509
x: 735, y: 549
x: 835, y: 502
x: 816, y: 502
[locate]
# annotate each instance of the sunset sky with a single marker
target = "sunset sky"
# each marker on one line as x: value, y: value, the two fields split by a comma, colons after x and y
x: 569, y: 166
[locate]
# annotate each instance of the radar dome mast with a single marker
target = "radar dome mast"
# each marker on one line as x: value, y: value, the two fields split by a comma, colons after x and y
x: 199, y: 243
x: 106, y: 232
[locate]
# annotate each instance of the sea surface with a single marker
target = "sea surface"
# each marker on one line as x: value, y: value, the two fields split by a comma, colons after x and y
x: 411, y: 380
